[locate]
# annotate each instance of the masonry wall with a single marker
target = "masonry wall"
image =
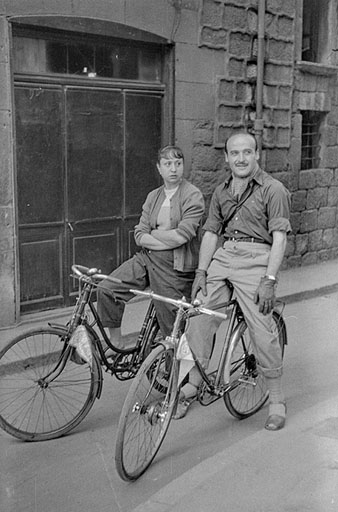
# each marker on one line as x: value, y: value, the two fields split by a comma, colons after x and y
x: 215, y: 93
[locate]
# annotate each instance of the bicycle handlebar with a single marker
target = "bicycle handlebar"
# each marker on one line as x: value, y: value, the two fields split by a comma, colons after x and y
x: 181, y: 303
x: 84, y: 272
x: 80, y: 272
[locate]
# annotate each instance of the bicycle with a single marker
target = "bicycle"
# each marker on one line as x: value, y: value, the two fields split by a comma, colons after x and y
x: 149, y: 406
x: 46, y: 387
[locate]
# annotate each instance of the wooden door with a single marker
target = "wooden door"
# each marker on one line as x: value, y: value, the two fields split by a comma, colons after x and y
x: 85, y: 160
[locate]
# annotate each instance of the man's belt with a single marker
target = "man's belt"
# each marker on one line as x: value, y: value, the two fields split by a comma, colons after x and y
x: 245, y: 239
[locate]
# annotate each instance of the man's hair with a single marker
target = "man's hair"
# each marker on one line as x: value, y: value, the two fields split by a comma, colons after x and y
x: 240, y: 133
x: 169, y: 152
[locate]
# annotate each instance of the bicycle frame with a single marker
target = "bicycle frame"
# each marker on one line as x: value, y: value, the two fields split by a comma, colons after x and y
x: 218, y: 385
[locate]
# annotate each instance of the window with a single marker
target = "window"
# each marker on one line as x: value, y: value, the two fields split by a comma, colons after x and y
x: 315, y: 42
x: 311, y: 123
x: 111, y: 58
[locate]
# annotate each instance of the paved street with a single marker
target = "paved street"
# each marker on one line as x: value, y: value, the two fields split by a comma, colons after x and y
x: 246, y: 463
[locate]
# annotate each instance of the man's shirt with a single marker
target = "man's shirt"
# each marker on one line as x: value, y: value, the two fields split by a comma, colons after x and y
x: 267, y: 209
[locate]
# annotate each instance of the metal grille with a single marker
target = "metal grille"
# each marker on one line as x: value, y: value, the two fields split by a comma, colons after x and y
x: 310, y: 139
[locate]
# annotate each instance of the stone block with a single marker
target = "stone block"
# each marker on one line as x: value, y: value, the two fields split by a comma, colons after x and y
x: 332, y: 198
x: 315, y: 240
x: 285, y: 97
x: 240, y: 44
x: 327, y: 217
x: 295, y: 221
x: 244, y: 93
x: 330, y: 157
x: 290, y: 246
x: 309, y: 221
x: 285, y: 27
x: 214, y: 38
x: 329, y: 135
x: 211, y: 14
x: 283, y: 137
x: 188, y: 29
x: 228, y: 114
x: 287, y: 7
x: 226, y: 90
x: 203, y: 133
x: 234, y: 17
x: 282, y: 118
x: 207, y: 181
x: 206, y: 158
x: 271, y: 25
x: 280, y: 51
x: 318, y: 101
x: 301, y: 244
x: 316, y: 198
x: 298, y: 201
x: 236, y: 68
x: 328, y: 238
x: 294, y: 261
x: 307, y: 179
x: 270, y: 95
x: 323, y: 177
x: 277, y: 160
x: 309, y: 258
x: 278, y: 74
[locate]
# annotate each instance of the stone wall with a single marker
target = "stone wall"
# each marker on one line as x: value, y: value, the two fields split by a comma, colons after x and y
x: 229, y: 27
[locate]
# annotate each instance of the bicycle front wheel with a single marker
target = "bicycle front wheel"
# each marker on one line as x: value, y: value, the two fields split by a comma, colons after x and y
x: 35, y: 406
x: 248, y: 390
x: 146, y: 413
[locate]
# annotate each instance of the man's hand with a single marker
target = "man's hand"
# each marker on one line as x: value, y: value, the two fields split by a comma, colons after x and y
x: 265, y: 295
x: 200, y: 283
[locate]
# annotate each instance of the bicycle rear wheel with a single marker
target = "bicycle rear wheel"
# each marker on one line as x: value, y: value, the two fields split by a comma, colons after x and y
x: 146, y: 414
x: 248, y: 391
x: 33, y: 408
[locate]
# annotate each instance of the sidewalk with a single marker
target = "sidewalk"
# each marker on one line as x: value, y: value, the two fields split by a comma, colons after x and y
x: 294, y: 284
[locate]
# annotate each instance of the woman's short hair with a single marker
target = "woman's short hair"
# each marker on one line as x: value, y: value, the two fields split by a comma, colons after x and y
x: 169, y: 152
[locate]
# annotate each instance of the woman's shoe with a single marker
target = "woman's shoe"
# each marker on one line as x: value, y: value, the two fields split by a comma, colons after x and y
x: 277, y: 416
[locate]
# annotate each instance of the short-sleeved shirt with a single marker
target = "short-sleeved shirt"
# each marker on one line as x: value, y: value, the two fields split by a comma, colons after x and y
x: 267, y: 209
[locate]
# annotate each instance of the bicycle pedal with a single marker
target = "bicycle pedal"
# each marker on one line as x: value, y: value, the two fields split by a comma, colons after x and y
x: 250, y: 381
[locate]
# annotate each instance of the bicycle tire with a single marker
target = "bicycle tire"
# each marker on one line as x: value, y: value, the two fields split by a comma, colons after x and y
x: 248, y: 392
x: 32, y: 411
x: 146, y: 415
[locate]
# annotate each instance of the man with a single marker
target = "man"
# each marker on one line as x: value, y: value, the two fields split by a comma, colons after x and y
x: 250, y: 257
x: 168, y: 236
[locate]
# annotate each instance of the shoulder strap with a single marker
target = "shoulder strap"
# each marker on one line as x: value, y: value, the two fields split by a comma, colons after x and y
x: 246, y: 196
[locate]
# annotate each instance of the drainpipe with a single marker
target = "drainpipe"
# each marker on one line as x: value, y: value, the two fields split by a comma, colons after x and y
x: 259, y: 123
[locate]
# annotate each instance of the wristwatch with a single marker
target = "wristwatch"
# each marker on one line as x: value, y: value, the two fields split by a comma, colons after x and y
x: 272, y: 278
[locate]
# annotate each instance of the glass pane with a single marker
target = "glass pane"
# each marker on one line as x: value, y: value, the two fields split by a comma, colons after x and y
x: 95, y: 154
x: 80, y: 59
x: 39, y: 154
x: 112, y: 59
x: 143, y: 140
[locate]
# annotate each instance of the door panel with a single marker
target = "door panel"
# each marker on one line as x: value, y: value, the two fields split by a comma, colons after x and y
x: 40, y: 195
x: 143, y: 140
x: 94, y: 154
x: 94, y: 177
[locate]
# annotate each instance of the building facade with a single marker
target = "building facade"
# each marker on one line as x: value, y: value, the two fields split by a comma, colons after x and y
x: 90, y: 90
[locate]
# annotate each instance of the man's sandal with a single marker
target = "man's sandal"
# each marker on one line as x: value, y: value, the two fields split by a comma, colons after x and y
x: 277, y: 416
